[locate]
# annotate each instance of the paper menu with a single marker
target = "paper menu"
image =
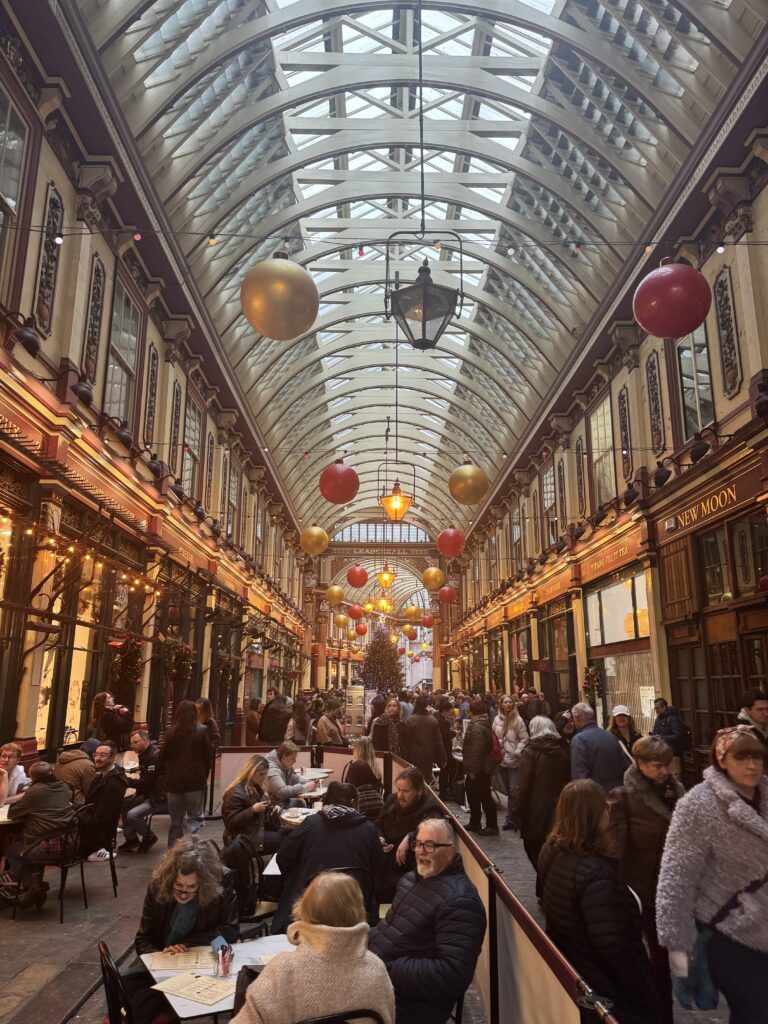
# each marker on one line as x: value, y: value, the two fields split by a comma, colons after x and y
x: 199, y: 988
x: 197, y: 958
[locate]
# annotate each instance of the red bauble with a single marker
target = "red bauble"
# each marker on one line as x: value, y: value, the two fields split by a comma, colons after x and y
x: 672, y: 301
x: 427, y: 622
x: 450, y: 543
x: 417, y: 658
x: 173, y: 613
x: 355, y: 612
x: 446, y: 595
x: 361, y: 629
x: 357, y: 576
x: 339, y: 483
x: 762, y: 583
x: 401, y: 650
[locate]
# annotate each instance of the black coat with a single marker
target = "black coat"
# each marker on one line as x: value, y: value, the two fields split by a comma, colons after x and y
x: 476, y: 750
x: 669, y: 726
x: 446, y: 734
x: 594, y: 920
x: 430, y: 941
x: 185, y: 759
x: 218, y: 918
x: 322, y: 842
x: 423, y: 742
x: 150, y: 783
x: 543, y: 771
x: 239, y: 817
x: 380, y: 733
x: 274, y: 721
x: 394, y: 824
x: 104, y: 801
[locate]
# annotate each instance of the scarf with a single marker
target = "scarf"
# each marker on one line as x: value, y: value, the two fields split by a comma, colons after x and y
x: 332, y: 811
x: 182, y: 922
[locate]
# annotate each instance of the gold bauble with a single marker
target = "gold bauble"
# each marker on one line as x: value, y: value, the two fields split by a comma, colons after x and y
x: 341, y: 620
x: 334, y: 595
x: 351, y: 634
x: 368, y: 607
x: 313, y: 540
x: 433, y: 578
x: 279, y: 298
x: 412, y: 612
x: 468, y: 484
x: 409, y: 654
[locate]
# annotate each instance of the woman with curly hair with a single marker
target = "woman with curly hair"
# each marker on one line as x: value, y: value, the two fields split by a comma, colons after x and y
x: 190, y: 901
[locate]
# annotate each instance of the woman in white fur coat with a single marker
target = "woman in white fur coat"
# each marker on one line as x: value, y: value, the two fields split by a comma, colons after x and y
x: 714, y: 871
x: 512, y: 734
x: 331, y: 970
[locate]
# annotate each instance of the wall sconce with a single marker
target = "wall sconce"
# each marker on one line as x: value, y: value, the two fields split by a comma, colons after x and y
x: 119, y: 428
x: 24, y: 332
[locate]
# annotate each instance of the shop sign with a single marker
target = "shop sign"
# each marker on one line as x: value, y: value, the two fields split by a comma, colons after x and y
x: 724, y: 498
x: 495, y: 620
x: 611, y: 557
x: 518, y: 607
x: 553, y: 588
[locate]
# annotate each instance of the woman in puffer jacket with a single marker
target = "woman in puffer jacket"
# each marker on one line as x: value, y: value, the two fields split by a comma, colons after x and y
x: 714, y: 874
x: 512, y: 734
x: 592, y: 917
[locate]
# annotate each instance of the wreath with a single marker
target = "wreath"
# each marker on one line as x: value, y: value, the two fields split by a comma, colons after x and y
x: 177, y: 662
x: 592, y: 687
x: 125, y: 667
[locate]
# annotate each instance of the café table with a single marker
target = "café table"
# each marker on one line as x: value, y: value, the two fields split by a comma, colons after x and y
x: 5, y: 824
x: 292, y: 817
x: 245, y: 953
x: 316, y: 794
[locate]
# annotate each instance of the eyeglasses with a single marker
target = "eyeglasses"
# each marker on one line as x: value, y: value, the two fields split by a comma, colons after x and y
x: 428, y: 846
x: 182, y: 890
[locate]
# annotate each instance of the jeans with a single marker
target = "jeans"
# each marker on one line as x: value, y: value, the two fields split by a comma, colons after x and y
x: 181, y: 805
x: 135, y: 812
x: 479, y: 795
x: 511, y: 774
x: 739, y: 973
x: 26, y: 867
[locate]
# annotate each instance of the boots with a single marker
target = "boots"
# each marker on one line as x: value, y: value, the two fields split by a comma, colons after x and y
x: 35, y: 894
x: 148, y: 842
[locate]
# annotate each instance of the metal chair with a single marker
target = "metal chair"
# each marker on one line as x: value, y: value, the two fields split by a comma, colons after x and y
x: 347, y: 1017
x: 118, y: 1006
x: 69, y: 857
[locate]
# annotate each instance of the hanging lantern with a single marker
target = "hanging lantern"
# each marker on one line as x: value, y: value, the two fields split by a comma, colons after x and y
x: 361, y: 629
x: 386, y: 577
x: 313, y: 540
x: 339, y: 483
x: 427, y: 622
x: 357, y: 576
x: 451, y: 542
x: 446, y: 595
x: 409, y: 654
x: 672, y: 301
x: 401, y: 650
x: 395, y: 504
x: 341, y: 620
x: 279, y: 298
x: 351, y: 634
x: 468, y: 484
x: 355, y: 612
x: 368, y: 607
x: 433, y: 578
x: 334, y: 595
x: 423, y: 310
x: 384, y: 604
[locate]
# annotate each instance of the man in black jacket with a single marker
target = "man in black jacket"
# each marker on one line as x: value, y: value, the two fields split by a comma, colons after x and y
x: 148, y: 799
x: 274, y: 720
x: 104, y: 800
x: 423, y: 741
x: 445, y: 723
x: 400, y: 816
x: 433, y: 933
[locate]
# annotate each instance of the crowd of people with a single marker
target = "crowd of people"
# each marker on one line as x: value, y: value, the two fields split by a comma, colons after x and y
x: 644, y: 888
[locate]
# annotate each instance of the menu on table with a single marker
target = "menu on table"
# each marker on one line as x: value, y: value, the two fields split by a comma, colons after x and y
x: 194, y: 959
x: 199, y: 988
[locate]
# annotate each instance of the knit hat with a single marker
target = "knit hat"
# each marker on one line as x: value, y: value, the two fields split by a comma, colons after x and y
x: 620, y: 709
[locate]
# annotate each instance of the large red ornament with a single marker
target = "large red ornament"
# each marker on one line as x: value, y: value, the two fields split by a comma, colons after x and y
x: 401, y: 650
x: 417, y: 658
x: 672, y: 301
x: 355, y: 612
x: 339, y: 483
x: 427, y: 622
x: 357, y: 576
x: 361, y: 629
x: 446, y: 595
x: 450, y: 543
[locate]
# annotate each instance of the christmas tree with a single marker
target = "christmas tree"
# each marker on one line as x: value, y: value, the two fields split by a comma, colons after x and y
x: 381, y: 668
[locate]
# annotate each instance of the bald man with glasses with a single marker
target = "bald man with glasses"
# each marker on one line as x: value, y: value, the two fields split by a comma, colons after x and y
x: 432, y: 935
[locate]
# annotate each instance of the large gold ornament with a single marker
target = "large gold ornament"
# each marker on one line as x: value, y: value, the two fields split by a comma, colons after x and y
x: 313, y: 540
x: 433, y: 578
x: 334, y: 595
x: 468, y: 484
x: 412, y: 612
x: 341, y: 620
x: 351, y: 634
x: 409, y: 654
x: 279, y: 298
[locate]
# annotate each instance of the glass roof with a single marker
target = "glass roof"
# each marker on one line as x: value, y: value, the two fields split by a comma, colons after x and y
x: 553, y: 128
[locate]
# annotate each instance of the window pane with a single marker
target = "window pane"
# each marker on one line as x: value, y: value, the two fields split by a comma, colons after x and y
x: 118, y: 390
x: 618, y: 613
x: 12, y: 146
x: 716, y: 569
x: 593, y: 620
x: 695, y: 381
x: 603, y: 468
x: 641, y: 605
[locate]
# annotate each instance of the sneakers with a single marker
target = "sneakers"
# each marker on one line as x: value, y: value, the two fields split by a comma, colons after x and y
x: 129, y: 846
x: 148, y: 842
x: 98, y: 855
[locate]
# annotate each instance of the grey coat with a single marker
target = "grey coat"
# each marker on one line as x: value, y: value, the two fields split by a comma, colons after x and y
x: 716, y: 846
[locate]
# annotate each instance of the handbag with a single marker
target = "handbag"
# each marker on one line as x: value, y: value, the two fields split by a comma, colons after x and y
x: 496, y: 752
x: 245, y: 977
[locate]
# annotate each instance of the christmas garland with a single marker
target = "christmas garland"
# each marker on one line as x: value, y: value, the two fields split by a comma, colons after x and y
x: 592, y: 687
x: 177, y: 662
x: 125, y: 667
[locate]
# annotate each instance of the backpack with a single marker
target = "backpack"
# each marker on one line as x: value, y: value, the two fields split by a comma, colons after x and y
x: 496, y: 751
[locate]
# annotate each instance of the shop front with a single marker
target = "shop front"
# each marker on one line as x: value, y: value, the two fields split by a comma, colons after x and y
x: 518, y: 635
x: 226, y: 618
x: 556, y: 662
x: 713, y: 564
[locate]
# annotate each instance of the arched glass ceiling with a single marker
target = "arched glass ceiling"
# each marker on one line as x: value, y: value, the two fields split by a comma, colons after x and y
x: 293, y: 124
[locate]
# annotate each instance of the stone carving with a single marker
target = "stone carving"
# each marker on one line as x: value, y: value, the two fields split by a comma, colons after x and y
x: 153, y: 369
x: 134, y: 268
x: 93, y: 323
x: 730, y: 357
x: 655, y: 410
x: 625, y: 433
x: 580, y: 491
x: 176, y: 333
x: 50, y: 253
x: 561, y: 493
x: 173, y: 454
x: 20, y: 64
x: 209, y: 471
